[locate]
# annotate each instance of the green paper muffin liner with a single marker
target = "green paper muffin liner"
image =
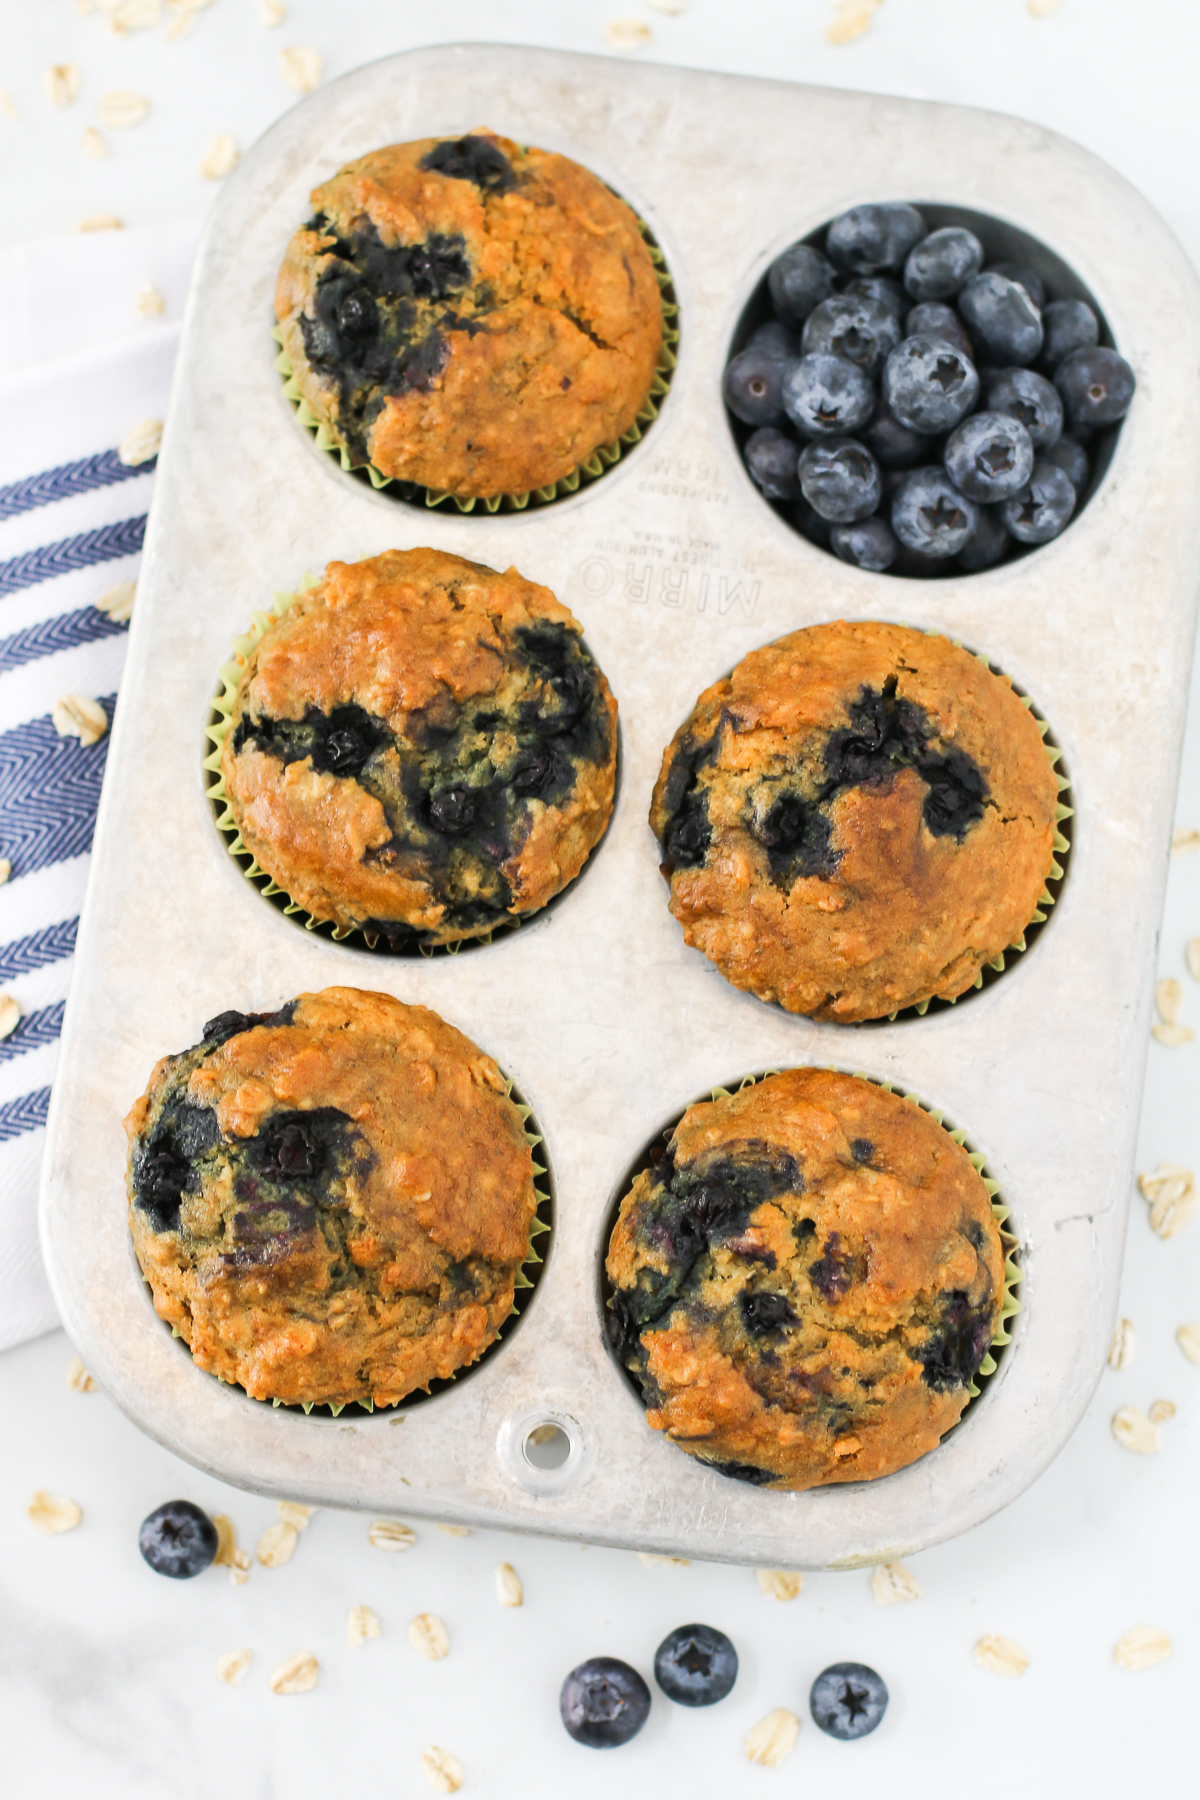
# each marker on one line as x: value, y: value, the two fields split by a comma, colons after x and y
x: 527, y: 1277
x: 591, y: 469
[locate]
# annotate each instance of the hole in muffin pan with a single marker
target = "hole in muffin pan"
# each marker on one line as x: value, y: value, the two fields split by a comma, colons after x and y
x: 597, y: 465
x: 529, y: 1278
x: 998, y: 1350
x: 1003, y: 242
x: 547, y: 1446
x: 543, y: 1449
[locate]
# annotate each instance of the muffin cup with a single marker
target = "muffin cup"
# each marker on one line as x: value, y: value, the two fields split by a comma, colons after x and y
x: 597, y: 464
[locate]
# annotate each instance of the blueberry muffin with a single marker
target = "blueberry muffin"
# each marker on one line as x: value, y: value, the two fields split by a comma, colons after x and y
x: 331, y: 1202
x: 806, y: 1282
x: 470, y: 315
x: 421, y: 747
x: 857, y: 820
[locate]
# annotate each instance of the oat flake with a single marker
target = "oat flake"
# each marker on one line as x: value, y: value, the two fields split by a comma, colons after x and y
x: 298, y: 1675
x: 509, y: 1591
x: 1168, y: 998
x: 78, y: 1379
x: 10, y: 1016
x: 1124, y: 1343
x: 132, y: 15
x: 1142, y: 1648
x: 429, y: 1637
x: 182, y: 18
x: 627, y: 34
x: 1171, y: 1192
x: 272, y: 12
x: 221, y: 158
x: 117, y: 602
x: 228, y: 1555
x: 276, y: 1545
x: 76, y: 716
x: 295, y: 1515
x: 1188, y: 1339
x: 61, y: 83
x: 662, y: 1562
x: 361, y: 1624
x: 443, y: 1772
x: 141, y: 444
x: 1191, y: 956
x: 390, y: 1534
x: 1173, y: 1036
x: 301, y: 65
x: 455, y: 1530
x: 1134, y: 1431
x: 51, y: 1514
x: 892, y: 1583
x: 121, y: 111
x: 1184, y: 839
x: 101, y: 222
x: 772, y: 1738
x: 148, y: 304
x: 94, y: 145
x: 1042, y: 9
x: 1161, y: 1411
x: 1000, y: 1655
x: 5, y: 870
x: 8, y: 106
x: 780, y: 1584
x: 232, y: 1666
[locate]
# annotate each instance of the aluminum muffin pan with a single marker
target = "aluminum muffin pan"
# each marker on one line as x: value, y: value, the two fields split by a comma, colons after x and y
x: 607, y: 1022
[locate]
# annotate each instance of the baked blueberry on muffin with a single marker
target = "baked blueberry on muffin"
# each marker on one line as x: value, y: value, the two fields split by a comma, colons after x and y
x: 420, y: 747
x: 331, y: 1202
x: 470, y: 315
x: 806, y: 1282
x: 857, y: 820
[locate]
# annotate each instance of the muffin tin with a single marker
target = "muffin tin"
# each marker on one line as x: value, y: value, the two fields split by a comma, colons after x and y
x: 607, y: 1023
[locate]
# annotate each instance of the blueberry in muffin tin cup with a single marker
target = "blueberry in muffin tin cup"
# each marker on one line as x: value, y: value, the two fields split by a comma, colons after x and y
x: 591, y: 469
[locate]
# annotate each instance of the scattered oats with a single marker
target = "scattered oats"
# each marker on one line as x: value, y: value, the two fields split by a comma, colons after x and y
x: 509, y: 1591
x: 1124, y: 1343
x: 672, y: 8
x: 1168, y: 998
x: 1142, y: 1648
x: 10, y: 1016
x: 780, y: 1584
x: 276, y: 1545
x: 78, y: 1379
x: 390, y: 1534
x: 443, y: 1772
x: 1134, y: 1431
x: 301, y: 65
x: 52, y: 1515
x: 429, y: 1637
x: 148, y: 302
x: 361, y: 1624
x: 272, y: 12
x: 132, y: 15
x: 8, y: 106
x: 120, y: 110
x: 1000, y: 1655
x: 1191, y: 956
x: 772, y: 1738
x: 117, y: 602
x: 61, y: 82
x: 182, y: 16
x: 662, y: 1562
x: 1188, y: 1339
x: 295, y: 1515
x: 228, y: 1555
x: 456, y: 1530
x: 5, y: 870
x: 1041, y: 9
x: 232, y: 1666
x: 1184, y: 839
x: 851, y: 19
x: 1161, y: 1411
x: 298, y: 1675
x: 221, y: 158
x: 75, y: 716
x: 94, y: 145
x: 893, y: 1583
x: 141, y: 444
x: 101, y: 222
x: 626, y: 34
x: 1171, y: 1192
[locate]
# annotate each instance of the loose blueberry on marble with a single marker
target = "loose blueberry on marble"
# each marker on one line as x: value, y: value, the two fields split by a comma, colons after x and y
x: 854, y: 326
x: 1071, y: 457
x: 848, y: 1700
x: 929, y: 385
x: 870, y: 240
x: 604, y: 1703
x: 771, y: 457
x: 1024, y: 277
x: 1096, y: 385
x: 986, y: 545
x: 865, y: 543
x: 1041, y: 510
x: 826, y: 396
x: 1003, y: 321
x: 1031, y: 399
x: 696, y: 1665
x: 933, y: 318
x: 798, y: 280
x: 178, y: 1539
x: 884, y: 288
x: 931, y: 515
x: 1067, y: 325
x: 840, y: 480
x: 939, y: 264
x: 990, y: 456
x: 753, y: 386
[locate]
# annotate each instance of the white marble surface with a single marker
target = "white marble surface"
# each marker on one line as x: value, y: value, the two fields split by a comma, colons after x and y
x: 107, y: 1672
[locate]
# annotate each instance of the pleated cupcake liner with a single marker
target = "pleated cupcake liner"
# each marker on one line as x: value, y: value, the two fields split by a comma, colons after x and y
x: 592, y: 467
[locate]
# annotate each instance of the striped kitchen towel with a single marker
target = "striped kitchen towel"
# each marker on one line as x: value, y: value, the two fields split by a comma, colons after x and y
x: 76, y: 473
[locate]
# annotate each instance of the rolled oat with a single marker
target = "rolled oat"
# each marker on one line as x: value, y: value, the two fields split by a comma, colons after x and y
x: 627, y: 34
x: 301, y: 66
x: 298, y: 1675
x: 1142, y: 1648
x: 1000, y: 1655
x: 117, y: 602
x: 1124, y: 1343
x: 121, y: 111
x: 361, y: 1624
x: 1134, y: 1431
x: 772, y: 1739
x: 10, y: 1016
x: 443, y: 1772
x: 78, y: 1379
x: 221, y: 158
x: 1171, y: 1192
x: 276, y: 1545
x: 232, y: 1666
x: 429, y: 1637
x: 51, y: 1514
x: 142, y: 444
x: 780, y: 1584
x: 61, y: 84
x: 509, y: 1591
x: 76, y: 716
x: 1188, y: 1339
x: 892, y: 1583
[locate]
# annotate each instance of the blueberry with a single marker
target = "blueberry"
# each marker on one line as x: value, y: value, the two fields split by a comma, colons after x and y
x: 453, y: 810
x: 752, y: 386
x: 848, y: 1700
x: 810, y: 524
x: 840, y: 480
x: 799, y: 279
x: 868, y: 240
x: 892, y: 443
x: 1031, y: 399
x: 1041, y: 510
x: 929, y: 385
x: 178, y: 1539
x: 695, y: 1665
x: 990, y: 456
x: 1027, y: 278
x: 604, y: 1702
x: 1001, y: 318
x: 1071, y: 457
x: 774, y: 339
x: 884, y: 288
x: 826, y: 396
x: 1067, y: 325
x: 854, y: 326
x: 933, y: 318
x: 931, y: 515
x: 986, y: 546
x: 866, y: 543
x: 771, y: 457
x: 915, y: 565
x: 939, y: 264
x: 1096, y: 386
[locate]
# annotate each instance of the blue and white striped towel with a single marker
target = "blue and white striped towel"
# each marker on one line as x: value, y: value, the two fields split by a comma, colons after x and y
x: 72, y: 519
